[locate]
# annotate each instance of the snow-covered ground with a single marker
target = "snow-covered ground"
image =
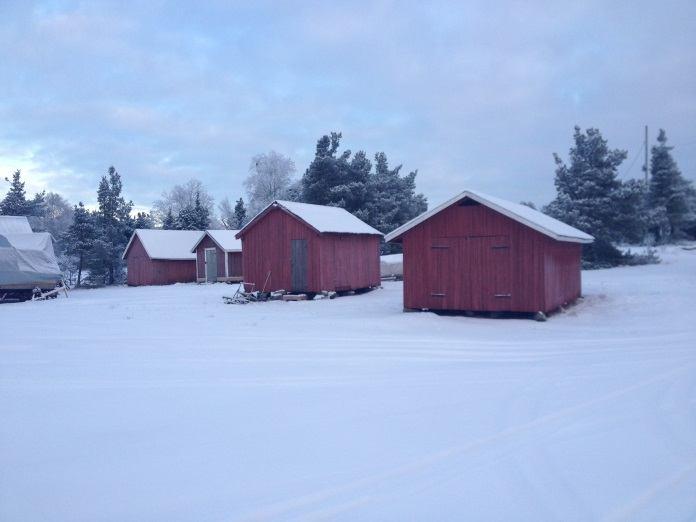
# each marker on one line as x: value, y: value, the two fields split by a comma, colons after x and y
x: 165, y: 404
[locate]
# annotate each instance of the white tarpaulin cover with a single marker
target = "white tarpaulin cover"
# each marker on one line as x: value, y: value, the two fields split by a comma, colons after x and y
x: 391, y: 265
x: 14, y: 225
x: 27, y: 260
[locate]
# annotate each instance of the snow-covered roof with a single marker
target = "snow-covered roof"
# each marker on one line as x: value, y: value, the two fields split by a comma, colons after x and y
x: 324, y: 219
x: 14, y: 225
x: 226, y: 240
x: 166, y: 244
x: 521, y: 213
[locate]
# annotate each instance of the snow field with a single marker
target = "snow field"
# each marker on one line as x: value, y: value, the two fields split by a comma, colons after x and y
x: 163, y: 403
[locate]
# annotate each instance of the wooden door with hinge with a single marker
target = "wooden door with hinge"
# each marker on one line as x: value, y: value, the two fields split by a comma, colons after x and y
x: 490, y: 272
x: 449, y: 289
x: 298, y: 264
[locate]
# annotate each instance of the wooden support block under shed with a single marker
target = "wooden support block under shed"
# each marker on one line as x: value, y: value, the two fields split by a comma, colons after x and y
x: 295, y: 297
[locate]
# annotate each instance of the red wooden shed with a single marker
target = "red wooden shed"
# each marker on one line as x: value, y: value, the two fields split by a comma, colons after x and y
x: 481, y: 253
x: 218, y: 256
x: 309, y: 248
x: 161, y: 257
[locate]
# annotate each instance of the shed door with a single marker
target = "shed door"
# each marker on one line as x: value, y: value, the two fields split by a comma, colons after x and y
x: 443, y: 254
x: 210, y: 265
x: 299, y: 265
x: 490, y: 269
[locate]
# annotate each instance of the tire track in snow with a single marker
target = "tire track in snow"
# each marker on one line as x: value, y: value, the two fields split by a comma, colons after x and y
x: 630, y: 510
x: 321, y: 496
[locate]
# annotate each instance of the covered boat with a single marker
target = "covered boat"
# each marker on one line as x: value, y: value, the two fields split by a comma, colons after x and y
x: 27, y: 260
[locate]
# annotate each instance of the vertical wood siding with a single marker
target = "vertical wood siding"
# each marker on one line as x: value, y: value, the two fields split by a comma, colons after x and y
x: 350, y: 261
x: 473, y: 258
x: 562, y: 269
x: 207, y: 242
x: 335, y: 261
x: 234, y: 264
x: 145, y: 271
x: 138, y: 264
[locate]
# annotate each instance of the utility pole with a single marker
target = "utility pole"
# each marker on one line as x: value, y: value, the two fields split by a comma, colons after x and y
x: 646, y: 158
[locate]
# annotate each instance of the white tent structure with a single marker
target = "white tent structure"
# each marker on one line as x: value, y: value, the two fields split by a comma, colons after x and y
x: 27, y: 259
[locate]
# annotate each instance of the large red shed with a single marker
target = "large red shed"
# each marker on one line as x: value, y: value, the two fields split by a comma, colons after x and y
x: 481, y: 253
x: 218, y: 256
x: 309, y: 248
x: 161, y: 257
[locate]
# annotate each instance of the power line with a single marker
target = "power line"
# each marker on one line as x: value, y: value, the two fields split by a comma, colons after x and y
x: 635, y: 158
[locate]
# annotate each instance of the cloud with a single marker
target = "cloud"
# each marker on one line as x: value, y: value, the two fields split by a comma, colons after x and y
x: 472, y: 95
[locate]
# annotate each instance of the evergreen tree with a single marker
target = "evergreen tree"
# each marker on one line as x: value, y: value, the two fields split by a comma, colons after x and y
x: 393, y: 200
x: 294, y: 191
x: 325, y: 173
x: 15, y: 202
x: 380, y: 197
x: 631, y: 212
x: 194, y: 217
x: 588, y: 193
x: 669, y: 195
x: 114, y: 227
x: 143, y: 220
x: 240, y: 214
x: 169, y: 221
x: 79, y: 237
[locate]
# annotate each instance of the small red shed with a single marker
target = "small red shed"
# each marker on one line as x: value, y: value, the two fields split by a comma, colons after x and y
x: 161, y: 257
x: 218, y: 256
x: 481, y: 253
x: 309, y: 248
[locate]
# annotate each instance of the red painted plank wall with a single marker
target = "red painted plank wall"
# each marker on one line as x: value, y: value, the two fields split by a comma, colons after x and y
x: 475, y: 256
x: 266, y: 248
x: 206, y: 242
x: 562, y: 271
x: 144, y: 271
x: 139, y: 264
x: 234, y: 264
x: 335, y: 261
x: 349, y: 261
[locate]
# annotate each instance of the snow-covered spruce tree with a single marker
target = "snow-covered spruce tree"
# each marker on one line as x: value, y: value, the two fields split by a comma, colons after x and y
x: 195, y: 217
x: 79, y: 237
x: 15, y: 202
x: 143, y: 220
x: 632, y: 214
x: 240, y: 215
x: 379, y: 196
x: 588, y: 195
x: 336, y: 180
x: 169, y: 221
x: 393, y: 200
x: 113, y: 228
x: 180, y: 197
x: 670, y: 194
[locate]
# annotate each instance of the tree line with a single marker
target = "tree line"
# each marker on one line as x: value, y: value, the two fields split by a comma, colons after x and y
x: 589, y: 196
x: 91, y: 242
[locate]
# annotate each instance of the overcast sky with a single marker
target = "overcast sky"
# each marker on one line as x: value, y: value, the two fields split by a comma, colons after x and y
x: 472, y: 94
